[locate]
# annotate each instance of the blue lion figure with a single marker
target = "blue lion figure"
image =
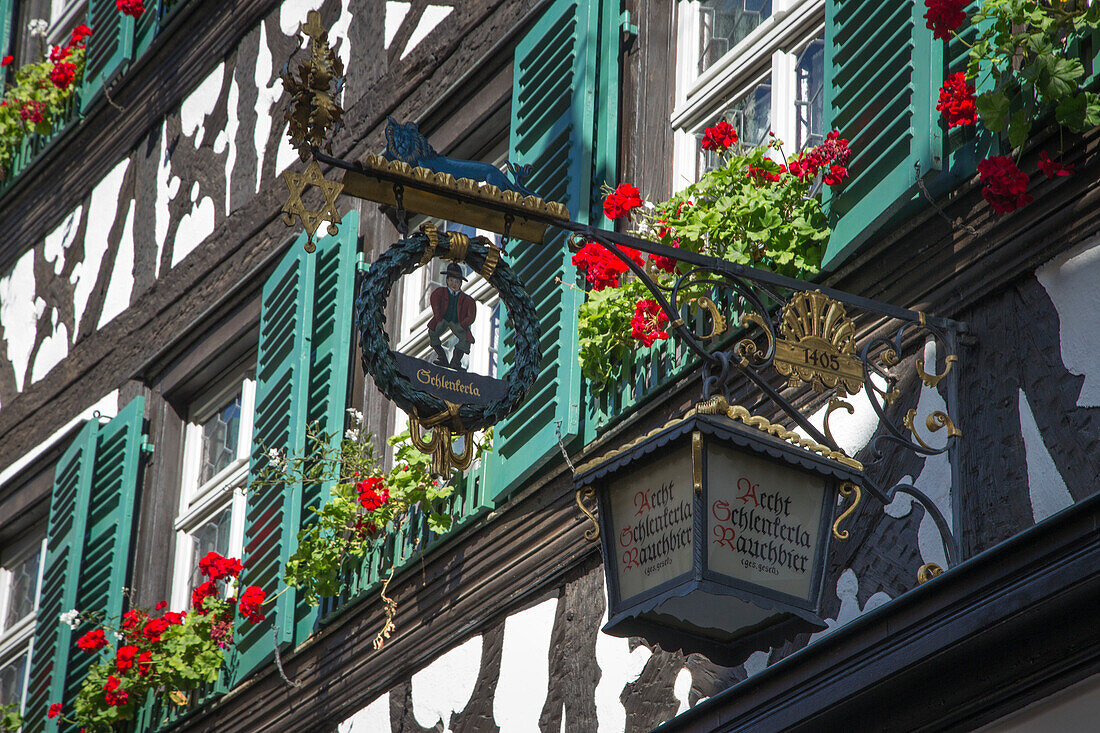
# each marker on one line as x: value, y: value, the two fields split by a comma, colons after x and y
x: 405, y: 143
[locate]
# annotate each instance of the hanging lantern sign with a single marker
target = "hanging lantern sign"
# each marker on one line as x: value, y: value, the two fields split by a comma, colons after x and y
x: 715, y: 531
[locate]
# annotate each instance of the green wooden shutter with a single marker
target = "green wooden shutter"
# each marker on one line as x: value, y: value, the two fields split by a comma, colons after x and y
x: 88, y: 541
x: 146, y: 27
x: 301, y: 378
x: 565, y: 125
x: 109, y: 49
x: 882, y: 74
x: 7, y: 21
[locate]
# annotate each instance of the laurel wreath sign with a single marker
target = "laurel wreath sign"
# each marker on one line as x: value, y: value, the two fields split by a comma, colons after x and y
x: 404, y: 257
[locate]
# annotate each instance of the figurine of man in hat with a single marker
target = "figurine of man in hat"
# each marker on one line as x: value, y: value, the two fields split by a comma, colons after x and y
x: 452, y: 310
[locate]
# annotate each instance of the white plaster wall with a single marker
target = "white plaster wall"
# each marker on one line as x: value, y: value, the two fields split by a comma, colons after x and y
x: 60, y: 239
x: 524, y: 669
x: 445, y: 686
x: 19, y: 315
x: 1071, y: 282
x: 101, y: 217
x: 847, y: 590
x: 374, y: 718
x: 432, y: 17
x: 121, y: 285
x: 618, y: 666
x: 1046, y: 488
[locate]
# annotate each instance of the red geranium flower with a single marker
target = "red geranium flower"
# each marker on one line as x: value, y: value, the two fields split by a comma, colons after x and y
x: 601, y: 267
x: 216, y: 567
x: 201, y: 593
x: 155, y: 628
x: 117, y: 698
x: 837, y: 175
x: 647, y: 322
x: 1052, y: 168
x: 112, y: 683
x: 124, y: 659
x: 62, y: 74
x: 145, y: 663
x: 957, y: 101
x: 372, y: 493
x: 132, y: 8
x: 33, y: 111
x: 93, y: 641
x: 251, y: 600
x: 721, y: 137
x: 161, y: 605
x: 944, y: 16
x: 1005, y: 185
x: 173, y: 617
x: 131, y: 619
x: 79, y: 34
x: 54, y: 710
x: 6, y: 60
x: 622, y: 201
x: 59, y: 53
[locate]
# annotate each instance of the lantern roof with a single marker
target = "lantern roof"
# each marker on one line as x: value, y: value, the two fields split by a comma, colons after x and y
x: 733, y: 424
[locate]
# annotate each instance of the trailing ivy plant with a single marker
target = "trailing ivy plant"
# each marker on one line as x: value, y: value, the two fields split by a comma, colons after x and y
x: 364, y: 505
x: 749, y: 209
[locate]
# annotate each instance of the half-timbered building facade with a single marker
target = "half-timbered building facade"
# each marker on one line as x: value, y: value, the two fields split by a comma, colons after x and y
x: 161, y: 329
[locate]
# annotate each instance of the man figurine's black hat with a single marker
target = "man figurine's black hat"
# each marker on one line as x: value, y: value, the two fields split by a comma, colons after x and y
x: 455, y: 270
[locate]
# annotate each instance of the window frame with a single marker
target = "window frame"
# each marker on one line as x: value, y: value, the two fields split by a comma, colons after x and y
x: 769, y: 52
x: 199, y: 503
x: 19, y: 638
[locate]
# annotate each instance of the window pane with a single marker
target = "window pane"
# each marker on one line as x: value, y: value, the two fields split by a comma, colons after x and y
x: 219, y: 439
x: 23, y: 589
x: 11, y: 680
x: 750, y: 116
x: 725, y: 23
x: 809, y: 87
x: 210, y: 537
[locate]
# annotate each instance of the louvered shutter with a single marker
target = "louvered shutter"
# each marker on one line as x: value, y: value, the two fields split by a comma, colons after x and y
x: 882, y: 74
x: 109, y: 48
x: 565, y: 125
x: 301, y: 378
x: 145, y: 28
x: 7, y: 21
x: 88, y: 552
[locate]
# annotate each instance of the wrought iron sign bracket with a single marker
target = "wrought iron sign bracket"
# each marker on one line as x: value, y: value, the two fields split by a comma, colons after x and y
x: 812, y: 340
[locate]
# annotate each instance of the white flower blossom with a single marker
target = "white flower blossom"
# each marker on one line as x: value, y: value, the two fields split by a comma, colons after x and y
x: 356, y: 416
x: 37, y: 27
x: 351, y: 434
x: 276, y: 459
x: 72, y: 618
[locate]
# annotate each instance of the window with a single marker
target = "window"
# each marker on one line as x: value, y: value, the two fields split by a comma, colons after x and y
x: 20, y: 583
x: 759, y: 65
x: 217, y: 443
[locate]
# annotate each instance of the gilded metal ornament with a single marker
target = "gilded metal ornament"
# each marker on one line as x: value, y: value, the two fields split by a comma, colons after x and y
x: 933, y: 380
x: 440, y: 446
x: 314, y: 111
x: 588, y: 493
x: 818, y: 344
x: 297, y: 184
x: 847, y: 489
x: 928, y: 571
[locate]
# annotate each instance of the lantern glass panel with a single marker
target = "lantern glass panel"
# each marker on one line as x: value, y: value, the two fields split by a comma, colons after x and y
x: 651, y: 514
x: 765, y: 521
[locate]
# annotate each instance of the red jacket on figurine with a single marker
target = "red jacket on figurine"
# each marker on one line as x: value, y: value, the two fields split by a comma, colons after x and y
x: 467, y: 310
